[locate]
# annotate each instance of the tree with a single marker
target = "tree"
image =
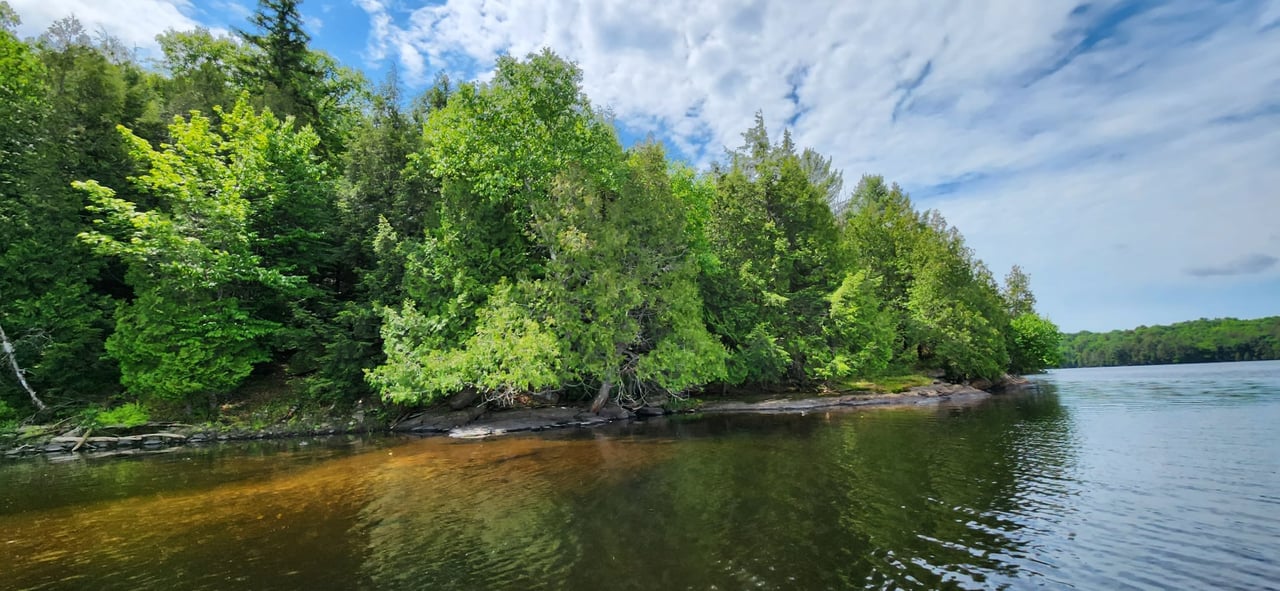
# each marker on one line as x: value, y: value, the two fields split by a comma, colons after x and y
x: 201, y: 71
x: 549, y: 238
x: 190, y: 331
x: 55, y: 319
x: 6, y: 347
x: 620, y: 288
x: 1032, y: 340
x: 1196, y: 341
x: 1017, y: 293
x: 957, y: 319
x: 9, y: 19
x: 384, y: 208
x: 859, y: 330
x: 947, y: 309
x: 776, y: 244
x: 495, y: 149
x: 285, y: 75
x: 281, y: 69
x: 1034, y: 344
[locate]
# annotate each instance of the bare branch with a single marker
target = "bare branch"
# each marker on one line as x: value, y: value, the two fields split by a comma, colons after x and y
x: 17, y: 370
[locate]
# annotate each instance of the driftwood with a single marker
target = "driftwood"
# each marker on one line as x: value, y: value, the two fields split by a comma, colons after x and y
x: 17, y: 370
x: 80, y: 443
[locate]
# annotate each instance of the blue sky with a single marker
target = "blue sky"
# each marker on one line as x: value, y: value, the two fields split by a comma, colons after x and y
x: 1126, y: 152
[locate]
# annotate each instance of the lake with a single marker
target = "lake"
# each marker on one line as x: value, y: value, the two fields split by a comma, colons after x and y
x: 1163, y: 477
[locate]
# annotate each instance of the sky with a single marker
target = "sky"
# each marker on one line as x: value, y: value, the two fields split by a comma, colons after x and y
x: 1125, y: 153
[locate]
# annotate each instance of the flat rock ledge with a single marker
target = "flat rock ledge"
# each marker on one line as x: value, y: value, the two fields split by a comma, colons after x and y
x: 66, y: 443
x: 477, y: 422
x: 923, y: 395
x: 160, y: 437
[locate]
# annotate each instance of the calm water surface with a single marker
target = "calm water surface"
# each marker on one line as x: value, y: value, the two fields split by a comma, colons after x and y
x: 1127, y: 478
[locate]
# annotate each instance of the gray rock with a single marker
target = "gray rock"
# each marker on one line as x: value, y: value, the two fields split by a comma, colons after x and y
x: 435, y: 421
x: 528, y: 419
x: 162, y: 439
x: 981, y: 384
x: 613, y: 412
x: 587, y: 419
x: 467, y: 397
x: 473, y: 432
x: 650, y: 411
x: 102, y: 442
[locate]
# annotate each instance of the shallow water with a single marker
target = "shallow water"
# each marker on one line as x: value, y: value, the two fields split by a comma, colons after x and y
x: 1115, y: 478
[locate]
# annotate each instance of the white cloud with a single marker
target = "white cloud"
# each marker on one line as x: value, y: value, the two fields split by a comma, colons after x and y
x: 134, y: 22
x: 1108, y: 154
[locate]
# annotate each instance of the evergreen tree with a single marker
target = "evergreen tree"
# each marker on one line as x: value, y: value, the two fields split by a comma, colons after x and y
x: 283, y: 74
x: 55, y: 320
x: 775, y: 241
x: 281, y: 70
x: 556, y: 260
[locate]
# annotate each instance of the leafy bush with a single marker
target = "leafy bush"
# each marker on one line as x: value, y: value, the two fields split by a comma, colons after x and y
x: 126, y: 415
x: 8, y: 416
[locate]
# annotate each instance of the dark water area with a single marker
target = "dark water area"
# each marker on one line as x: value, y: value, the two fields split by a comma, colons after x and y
x: 1161, y: 477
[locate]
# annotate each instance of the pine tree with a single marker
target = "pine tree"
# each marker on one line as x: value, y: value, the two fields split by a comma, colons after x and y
x: 281, y: 69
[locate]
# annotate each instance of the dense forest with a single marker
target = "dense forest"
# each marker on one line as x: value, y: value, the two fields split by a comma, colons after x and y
x: 1196, y: 341
x: 243, y: 209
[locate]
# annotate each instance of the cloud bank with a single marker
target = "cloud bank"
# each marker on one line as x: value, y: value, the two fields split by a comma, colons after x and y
x: 1245, y: 265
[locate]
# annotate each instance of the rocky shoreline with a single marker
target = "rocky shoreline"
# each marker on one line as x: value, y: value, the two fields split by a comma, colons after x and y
x: 468, y: 421
x: 476, y: 422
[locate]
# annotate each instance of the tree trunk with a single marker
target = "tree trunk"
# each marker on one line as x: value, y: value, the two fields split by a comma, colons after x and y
x: 601, y: 398
x: 17, y: 371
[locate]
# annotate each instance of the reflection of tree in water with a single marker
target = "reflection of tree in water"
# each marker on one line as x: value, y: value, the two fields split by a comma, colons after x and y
x: 193, y: 521
x: 494, y: 514
x: 886, y: 499
x: 941, y: 503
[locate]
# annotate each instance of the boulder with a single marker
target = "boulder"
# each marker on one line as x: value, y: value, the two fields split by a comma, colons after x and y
x: 613, y: 412
x: 467, y: 397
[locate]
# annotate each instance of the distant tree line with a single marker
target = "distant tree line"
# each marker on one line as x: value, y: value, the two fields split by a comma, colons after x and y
x: 245, y: 207
x: 1196, y: 341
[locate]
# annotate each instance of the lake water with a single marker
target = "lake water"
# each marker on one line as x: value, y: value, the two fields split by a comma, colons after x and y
x: 1120, y: 478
